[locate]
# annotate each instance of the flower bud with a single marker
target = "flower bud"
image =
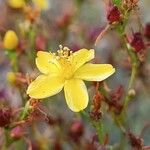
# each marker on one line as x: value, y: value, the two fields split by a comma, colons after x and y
x: 137, y: 42
x: 113, y: 14
x: 131, y: 93
x: 11, y: 77
x: 17, y: 132
x: 10, y: 40
x: 16, y: 4
x: 5, y: 116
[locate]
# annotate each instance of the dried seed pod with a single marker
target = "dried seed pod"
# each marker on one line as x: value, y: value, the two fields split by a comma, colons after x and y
x: 5, y: 116
x: 113, y: 14
x: 137, y: 42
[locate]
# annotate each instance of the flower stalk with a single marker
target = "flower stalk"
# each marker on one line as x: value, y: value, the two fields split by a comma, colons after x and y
x: 99, y: 127
x: 26, y: 110
x: 134, y: 71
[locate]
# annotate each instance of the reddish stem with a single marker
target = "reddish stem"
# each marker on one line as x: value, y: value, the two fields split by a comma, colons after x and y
x: 100, y: 36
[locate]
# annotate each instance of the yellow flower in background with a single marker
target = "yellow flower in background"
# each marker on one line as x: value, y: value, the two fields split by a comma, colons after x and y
x: 41, y: 4
x: 67, y: 70
x: 16, y: 3
x: 10, y: 40
x: 11, y: 77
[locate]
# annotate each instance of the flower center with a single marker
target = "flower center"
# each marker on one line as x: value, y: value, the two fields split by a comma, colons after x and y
x: 64, y: 52
x: 64, y: 57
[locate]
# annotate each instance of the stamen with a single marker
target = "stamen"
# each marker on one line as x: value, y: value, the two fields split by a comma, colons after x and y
x: 63, y: 52
x: 60, y: 47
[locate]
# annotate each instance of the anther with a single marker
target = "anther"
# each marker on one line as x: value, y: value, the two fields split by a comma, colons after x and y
x: 61, y: 47
x: 63, y: 52
x: 66, y: 49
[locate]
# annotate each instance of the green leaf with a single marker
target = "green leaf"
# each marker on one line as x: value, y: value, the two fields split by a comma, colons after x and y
x: 117, y: 2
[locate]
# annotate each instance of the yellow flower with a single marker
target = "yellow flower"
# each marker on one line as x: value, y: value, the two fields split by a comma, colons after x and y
x: 11, y: 77
x: 67, y: 70
x: 41, y: 4
x: 10, y: 40
x: 16, y: 3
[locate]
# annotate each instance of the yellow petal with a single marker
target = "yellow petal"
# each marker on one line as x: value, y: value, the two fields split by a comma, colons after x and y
x: 45, y: 63
x: 81, y: 57
x: 94, y: 72
x: 76, y: 94
x: 10, y: 40
x: 16, y: 3
x: 44, y: 86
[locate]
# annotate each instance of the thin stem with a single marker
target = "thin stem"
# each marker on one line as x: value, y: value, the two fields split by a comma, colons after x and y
x: 25, y: 110
x: 31, y: 37
x: 12, y: 55
x: 84, y: 115
x: 134, y: 65
x: 98, y: 125
x: 100, y: 36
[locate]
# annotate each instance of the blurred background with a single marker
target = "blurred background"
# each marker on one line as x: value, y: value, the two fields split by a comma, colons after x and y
x: 75, y: 24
